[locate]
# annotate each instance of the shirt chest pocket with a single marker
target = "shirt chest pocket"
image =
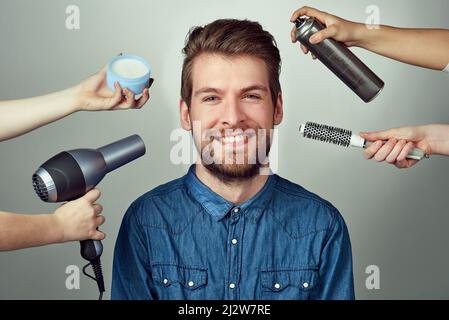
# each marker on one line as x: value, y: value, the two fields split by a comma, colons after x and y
x: 287, y: 284
x: 175, y: 282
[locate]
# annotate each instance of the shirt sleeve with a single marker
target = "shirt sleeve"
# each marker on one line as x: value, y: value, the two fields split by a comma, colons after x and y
x: 131, y: 271
x: 335, y: 273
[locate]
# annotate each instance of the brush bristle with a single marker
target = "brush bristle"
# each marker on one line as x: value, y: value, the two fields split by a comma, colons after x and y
x: 322, y: 132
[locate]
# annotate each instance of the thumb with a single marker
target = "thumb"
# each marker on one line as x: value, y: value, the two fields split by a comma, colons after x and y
x: 103, y: 70
x: 106, y: 103
x: 92, y: 195
x: 116, y: 98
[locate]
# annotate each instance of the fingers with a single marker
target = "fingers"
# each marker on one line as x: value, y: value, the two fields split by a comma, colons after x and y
x: 310, y: 12
x: 98, y: 208
x: 405, y: 151
x: 117, y: 97
x: 306, y: 11
x: 118, y: 91
x: 305, y: 50
x: 108, y: 102
x: 125, y: 98
x: 328, y: 32
x: 380, y: 135
x: 130, y: 100
x: 92, y: 195
x: 372, y: 149
x: 393, y: 151
x: 303, y: 47
x: 404, y: 164
x: 383, y: 152
x: 143, y: 99
x: 392, y: 157
x: 79, y: 219
x: 99, y: 220
x: 97, y: 235
x: 293, y: 35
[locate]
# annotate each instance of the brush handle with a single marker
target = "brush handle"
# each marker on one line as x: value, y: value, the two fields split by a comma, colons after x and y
x: 415, y: 154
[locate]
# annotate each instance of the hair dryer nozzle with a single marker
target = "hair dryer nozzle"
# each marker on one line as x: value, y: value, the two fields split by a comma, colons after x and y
x: 44, y: 185
x: 123, y: 151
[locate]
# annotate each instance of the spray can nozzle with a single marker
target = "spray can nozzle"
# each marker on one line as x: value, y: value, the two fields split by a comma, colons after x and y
x: 299, y: 22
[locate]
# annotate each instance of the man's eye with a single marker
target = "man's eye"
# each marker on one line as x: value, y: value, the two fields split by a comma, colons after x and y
x: 210, y: 99
x: 252, y: 97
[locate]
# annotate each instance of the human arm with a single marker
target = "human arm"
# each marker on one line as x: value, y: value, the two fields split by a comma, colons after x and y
x: 428, y: 48
x: 335, y: 270
x: 20, y: 116
x: 75, y: 220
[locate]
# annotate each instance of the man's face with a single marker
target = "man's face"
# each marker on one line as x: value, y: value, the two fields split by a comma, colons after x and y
x: 231, y: 114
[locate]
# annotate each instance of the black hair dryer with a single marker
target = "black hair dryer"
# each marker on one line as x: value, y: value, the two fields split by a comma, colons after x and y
x: 71, y: 174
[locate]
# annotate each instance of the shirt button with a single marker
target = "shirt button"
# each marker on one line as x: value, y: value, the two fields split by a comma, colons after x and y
x: 277, y: 285
x: 232, y: 285
x: 236, y: 210
x: 234, y: 241
x: 305, y: 285
x: 190, y: 284
x: 165, y: 281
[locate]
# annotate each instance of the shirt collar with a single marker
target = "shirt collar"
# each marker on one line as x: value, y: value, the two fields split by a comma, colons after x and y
x: 218, y: 207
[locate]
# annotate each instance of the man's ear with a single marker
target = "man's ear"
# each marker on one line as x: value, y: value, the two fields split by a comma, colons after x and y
x: 278, y: 110
x: 186, y: 124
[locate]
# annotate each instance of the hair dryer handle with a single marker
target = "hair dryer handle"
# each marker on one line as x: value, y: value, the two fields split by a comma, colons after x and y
x: 91, y: 249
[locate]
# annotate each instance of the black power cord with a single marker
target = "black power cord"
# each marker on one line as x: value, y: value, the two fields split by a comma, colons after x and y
x: 98, y: 272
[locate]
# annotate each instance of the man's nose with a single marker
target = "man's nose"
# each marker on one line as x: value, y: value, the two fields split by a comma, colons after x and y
x: 233, y: 115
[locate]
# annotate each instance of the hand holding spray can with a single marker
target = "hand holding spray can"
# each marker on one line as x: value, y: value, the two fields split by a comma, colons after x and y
x: 340, y: 60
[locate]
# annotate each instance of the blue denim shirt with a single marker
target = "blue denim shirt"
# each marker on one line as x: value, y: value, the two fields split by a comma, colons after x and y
x: 183, y: 241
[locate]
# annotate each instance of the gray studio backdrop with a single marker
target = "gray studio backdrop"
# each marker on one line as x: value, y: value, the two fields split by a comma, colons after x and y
x: 397, y: 220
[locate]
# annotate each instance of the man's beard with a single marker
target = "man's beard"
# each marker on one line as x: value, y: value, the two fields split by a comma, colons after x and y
x: 236, y: 170
x: 233, y: 172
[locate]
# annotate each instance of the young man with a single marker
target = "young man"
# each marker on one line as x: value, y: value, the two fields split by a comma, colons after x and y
x: 427, y: 48
x: 227, y: 230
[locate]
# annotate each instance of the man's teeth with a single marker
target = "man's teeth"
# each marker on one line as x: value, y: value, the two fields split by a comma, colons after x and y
x: 233, y: 139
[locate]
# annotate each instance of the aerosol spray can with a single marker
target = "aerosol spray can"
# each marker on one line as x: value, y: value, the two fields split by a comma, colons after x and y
x: 340, y: 60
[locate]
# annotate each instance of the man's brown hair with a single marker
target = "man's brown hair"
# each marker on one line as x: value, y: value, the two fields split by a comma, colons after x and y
x: 231, y: 37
